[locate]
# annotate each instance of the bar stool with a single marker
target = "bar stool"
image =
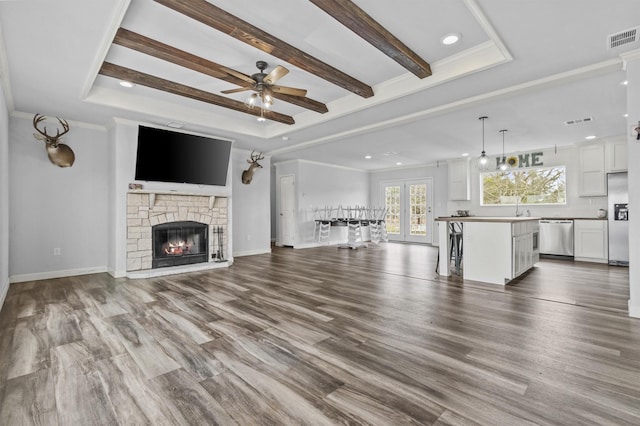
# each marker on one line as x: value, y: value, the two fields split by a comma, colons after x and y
x: 323, y: 222
x: 455, y: 242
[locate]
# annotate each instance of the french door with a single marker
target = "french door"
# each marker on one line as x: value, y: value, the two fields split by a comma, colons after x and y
x: 409, y: 210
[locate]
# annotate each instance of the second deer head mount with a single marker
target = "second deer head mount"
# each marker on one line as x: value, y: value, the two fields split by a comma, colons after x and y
x: 59, y: 154
x: 247, y: 175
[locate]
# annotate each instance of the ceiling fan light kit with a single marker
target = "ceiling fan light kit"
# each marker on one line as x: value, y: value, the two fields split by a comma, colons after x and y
x: 264, y: 86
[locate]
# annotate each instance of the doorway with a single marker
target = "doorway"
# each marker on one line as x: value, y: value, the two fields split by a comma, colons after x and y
x: 287, y: 210
x: 409, y: 206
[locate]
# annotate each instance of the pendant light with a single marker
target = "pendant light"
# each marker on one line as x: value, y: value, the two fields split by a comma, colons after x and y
x: 503, y: 165
x: 483, y: 160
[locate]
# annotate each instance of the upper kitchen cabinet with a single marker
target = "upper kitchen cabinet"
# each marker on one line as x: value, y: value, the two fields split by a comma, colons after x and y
x: 459, y: 180
x: 592, y: 172
x: 617, y: 155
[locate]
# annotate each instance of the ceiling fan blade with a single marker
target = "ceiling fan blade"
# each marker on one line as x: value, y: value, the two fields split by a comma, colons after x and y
x: 240, y: 89
x: 276, y: 74
x: 289, y: 91
x: 237, y: 74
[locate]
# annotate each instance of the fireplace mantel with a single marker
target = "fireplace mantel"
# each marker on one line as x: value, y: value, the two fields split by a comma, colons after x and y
x: 153, y: 193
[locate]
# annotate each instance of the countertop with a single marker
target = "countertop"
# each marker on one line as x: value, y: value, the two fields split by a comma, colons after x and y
x: 574, y: 218
x: 507, y: 219
x: 492, y: 219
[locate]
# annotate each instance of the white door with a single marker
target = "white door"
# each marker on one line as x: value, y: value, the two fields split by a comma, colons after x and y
x: 409, y: 210
x: 287, y: 210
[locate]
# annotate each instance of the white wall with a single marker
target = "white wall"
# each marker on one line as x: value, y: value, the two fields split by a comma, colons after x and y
x: 437, y: 173
x: 251, y: 206
x: 123, y: 137
x: 4, y: 197
x: 575, y: 207
x: 633, y: 109
x: 318, y: 185
x: 57, y: 207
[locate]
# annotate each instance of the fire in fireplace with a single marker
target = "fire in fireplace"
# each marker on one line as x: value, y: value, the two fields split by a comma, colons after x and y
x: 179, y: 243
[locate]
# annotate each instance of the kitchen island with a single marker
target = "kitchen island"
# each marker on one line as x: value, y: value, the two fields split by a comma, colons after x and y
x: 495, y: 249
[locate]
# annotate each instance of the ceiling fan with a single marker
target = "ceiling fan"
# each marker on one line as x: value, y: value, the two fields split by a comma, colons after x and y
x: 263, y: 84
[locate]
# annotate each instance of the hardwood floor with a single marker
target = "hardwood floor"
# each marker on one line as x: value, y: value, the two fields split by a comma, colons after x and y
x: 323, y: 336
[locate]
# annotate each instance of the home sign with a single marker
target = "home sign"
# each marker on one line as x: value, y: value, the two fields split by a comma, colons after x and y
x: 532, y: 159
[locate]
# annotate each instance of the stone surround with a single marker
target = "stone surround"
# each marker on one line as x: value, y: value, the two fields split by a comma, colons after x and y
x: 145, y: 210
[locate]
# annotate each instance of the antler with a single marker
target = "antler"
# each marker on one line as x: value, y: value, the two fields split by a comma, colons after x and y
x: 43, y: 134
x: 256, y: 157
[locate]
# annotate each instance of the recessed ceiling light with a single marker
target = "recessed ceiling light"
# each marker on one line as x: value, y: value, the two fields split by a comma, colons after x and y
x: 625, y: 115
x: 368, y: 157
x: 127, y: 84
x: 261, y: 119
x: 398, y: 163
x: 285, y: 138
x: 450, y: 39
x: 390, y: 153
x: 590, y: 137
x: 624, y: 83
x: 466, y: 154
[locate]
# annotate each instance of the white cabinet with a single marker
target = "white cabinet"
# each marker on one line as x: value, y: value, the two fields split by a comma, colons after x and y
x: 522, y: 250
x: 459, y: 187
x: 591, y: 240
x: 617, y: 155
x: 592, y: 173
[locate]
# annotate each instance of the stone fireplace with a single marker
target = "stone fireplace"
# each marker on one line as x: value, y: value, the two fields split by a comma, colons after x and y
x: 173, y: 229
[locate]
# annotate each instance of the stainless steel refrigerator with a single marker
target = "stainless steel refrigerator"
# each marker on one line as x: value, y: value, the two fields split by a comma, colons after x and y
x: 618, y: 218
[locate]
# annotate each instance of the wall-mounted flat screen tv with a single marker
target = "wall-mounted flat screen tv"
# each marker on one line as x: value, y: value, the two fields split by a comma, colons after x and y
x: 166, y: 156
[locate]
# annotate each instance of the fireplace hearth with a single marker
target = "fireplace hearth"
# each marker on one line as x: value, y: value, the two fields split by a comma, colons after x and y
x: 179, y: 243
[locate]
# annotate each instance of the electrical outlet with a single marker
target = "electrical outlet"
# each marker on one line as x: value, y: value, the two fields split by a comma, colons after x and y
x: 57, y: 251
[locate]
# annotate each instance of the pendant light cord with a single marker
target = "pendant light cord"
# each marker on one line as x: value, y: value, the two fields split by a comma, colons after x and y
x: 502, y: 131
x: 483, y: 118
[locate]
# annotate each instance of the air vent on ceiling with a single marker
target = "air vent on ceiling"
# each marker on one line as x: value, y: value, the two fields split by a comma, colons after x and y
x: 623, y: 37
x: 579, y: 120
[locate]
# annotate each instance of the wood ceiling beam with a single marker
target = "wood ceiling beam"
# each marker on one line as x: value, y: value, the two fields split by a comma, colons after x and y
x: 216, y: 18
x: 151, y: 47
x: 116, y: 71
x: 300, y: 101
x: 358, y: 21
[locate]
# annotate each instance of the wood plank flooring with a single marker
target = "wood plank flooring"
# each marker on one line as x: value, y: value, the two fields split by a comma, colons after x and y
x: 323, y: 336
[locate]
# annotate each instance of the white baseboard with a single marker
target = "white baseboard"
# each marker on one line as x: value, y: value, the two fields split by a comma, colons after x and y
x: 3, y: 292
x: 251, y: 252
x: 116, y: 274
x: 56, y: 274
x: 308, y: 245
x: 634, y: 310
x: 590, y: 259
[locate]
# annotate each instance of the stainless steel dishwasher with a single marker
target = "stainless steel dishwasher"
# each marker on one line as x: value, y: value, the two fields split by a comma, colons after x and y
x: 556, y: 237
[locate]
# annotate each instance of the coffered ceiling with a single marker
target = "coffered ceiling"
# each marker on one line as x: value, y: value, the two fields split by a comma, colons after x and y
x: 376, y: 75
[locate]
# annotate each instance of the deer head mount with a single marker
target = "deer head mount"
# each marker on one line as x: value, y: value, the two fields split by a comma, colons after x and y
x: 247, y: 175
x: 59, y: 154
